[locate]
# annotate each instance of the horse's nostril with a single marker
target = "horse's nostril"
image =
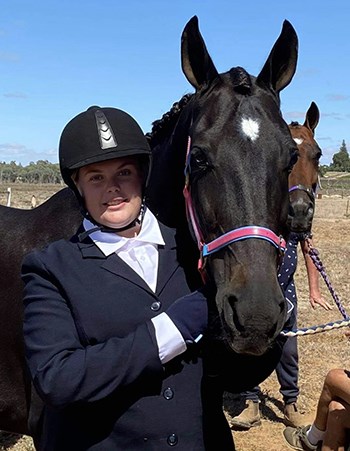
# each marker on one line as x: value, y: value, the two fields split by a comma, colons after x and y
x: 272, y: 331
x: 310, y: 211
x: 282, y: 307
x: 231, y: 299
x: 231, y: 315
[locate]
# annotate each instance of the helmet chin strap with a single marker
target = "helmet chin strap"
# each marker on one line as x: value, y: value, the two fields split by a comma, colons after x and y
x: 106, y: 229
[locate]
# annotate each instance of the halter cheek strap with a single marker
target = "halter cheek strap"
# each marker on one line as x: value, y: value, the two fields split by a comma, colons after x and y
x: 239, y: 234
x: 191, y: 216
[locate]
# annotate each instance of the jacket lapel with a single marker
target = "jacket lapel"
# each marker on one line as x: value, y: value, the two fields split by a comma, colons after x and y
x: 166, y: 267
x: 112, y: 263
x: 167, y: 258
x: 117, y: 266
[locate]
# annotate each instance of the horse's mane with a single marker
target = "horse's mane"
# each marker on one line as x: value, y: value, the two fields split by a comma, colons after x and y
x: 294, y: 124
x: 161, y: 126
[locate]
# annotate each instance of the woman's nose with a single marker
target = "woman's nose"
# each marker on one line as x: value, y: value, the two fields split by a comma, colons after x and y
x: 114, y: 186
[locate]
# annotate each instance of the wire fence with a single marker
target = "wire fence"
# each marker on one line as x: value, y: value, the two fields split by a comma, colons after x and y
x: 339, y: 187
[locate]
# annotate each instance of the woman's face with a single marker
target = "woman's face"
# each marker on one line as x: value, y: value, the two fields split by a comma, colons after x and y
x: 112, y: 191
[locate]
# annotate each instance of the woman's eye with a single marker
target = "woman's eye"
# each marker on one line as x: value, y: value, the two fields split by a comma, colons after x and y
x: 96, y: 178
x: 124, y: 172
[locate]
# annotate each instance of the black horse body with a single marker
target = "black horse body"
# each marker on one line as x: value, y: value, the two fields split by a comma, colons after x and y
x: 240, y: 156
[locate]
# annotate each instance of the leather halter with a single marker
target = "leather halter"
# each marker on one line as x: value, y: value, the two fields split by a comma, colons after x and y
x: 238, y: 234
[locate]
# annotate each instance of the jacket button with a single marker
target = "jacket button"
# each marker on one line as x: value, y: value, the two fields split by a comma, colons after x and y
x: 172, y: 440
x: 168, y: 393
x: 155, y: 306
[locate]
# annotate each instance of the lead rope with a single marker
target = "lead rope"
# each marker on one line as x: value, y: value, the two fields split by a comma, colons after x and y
x: 315, y: 257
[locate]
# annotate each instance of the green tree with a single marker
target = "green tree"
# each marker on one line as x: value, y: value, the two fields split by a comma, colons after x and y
x: 40, y: 172
x: 323, y: 169
x: 341, y: 160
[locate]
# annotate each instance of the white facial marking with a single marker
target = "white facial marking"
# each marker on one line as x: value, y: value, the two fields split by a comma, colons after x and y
x: 298, y: 141
x: 250, y: 128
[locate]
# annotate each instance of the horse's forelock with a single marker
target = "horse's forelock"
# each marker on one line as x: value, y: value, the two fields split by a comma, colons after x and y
x: 294, y: 124
x: 241, y: 80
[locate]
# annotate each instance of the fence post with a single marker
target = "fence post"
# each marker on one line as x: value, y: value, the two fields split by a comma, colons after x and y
x: 8, y: 203
x: 33, y: 201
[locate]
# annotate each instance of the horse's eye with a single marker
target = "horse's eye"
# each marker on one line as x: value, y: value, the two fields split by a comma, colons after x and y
x: 199, y: 161
x: 318, y: 155
x: 293, y: 159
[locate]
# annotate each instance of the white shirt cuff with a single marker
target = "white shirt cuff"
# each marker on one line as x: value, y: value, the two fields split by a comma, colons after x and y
x: 169, y: 339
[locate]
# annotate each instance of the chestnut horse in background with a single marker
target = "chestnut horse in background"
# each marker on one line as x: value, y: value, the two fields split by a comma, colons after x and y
x: 303, y: 178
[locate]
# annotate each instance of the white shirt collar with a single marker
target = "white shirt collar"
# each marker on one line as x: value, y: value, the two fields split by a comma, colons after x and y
x: 112, y: 242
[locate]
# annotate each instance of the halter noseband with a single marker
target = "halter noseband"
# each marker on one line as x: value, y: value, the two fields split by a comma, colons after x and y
x: 309, y: 191
x: 238, y: 234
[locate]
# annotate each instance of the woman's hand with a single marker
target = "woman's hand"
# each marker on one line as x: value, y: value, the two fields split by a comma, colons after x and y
x: 316, y: 299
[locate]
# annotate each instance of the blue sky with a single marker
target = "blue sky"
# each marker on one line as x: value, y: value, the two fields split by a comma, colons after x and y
x: 58, y: 57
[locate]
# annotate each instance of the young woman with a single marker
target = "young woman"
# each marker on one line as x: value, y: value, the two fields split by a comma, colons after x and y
x: 110, y: 325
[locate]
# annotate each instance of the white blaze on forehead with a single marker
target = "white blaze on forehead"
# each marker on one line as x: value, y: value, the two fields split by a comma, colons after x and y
x: 250, y: 128
x: 298, y: 141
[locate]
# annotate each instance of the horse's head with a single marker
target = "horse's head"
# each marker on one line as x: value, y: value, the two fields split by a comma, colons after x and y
x: 304, y: 176
x: 240, y: 153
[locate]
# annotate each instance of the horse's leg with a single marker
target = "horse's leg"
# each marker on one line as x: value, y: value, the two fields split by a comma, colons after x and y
x: 217, y: 433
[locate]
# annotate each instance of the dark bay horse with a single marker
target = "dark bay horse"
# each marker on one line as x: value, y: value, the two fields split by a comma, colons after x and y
x: 20, y: 232
x: 240, y: 153
x: 304, y: 176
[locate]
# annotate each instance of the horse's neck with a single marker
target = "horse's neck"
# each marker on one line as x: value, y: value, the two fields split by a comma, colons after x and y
x: 164, y: 195
x: 165, y: 198
x: 62, y: 208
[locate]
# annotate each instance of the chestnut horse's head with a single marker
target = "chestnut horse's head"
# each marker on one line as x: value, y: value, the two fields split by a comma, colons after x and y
x: 303, y: 178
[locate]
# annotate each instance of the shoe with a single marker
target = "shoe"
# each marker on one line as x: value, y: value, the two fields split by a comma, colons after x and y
x: 297, y: 439
x: 248, y: 418
x: 292, y: 416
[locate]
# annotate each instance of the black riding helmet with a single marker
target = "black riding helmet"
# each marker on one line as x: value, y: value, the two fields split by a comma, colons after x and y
x: 100, y: 134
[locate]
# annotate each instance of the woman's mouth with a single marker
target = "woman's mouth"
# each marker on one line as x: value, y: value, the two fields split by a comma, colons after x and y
x: 114, y: 202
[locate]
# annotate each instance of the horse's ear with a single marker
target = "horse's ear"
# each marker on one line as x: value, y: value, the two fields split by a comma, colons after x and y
x: 196, y: 63
x: 281, y: 63
x: 312, y: 117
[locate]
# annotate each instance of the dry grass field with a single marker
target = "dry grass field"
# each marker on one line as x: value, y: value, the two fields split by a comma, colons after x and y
x: 318, y: 353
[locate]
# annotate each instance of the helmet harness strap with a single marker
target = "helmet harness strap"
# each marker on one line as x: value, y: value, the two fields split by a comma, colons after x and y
x: 106, y: 229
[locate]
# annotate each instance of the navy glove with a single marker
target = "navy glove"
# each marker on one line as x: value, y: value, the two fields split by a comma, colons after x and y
x: 190, y: 315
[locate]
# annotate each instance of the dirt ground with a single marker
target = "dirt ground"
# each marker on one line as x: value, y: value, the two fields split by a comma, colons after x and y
x: 317, y: 353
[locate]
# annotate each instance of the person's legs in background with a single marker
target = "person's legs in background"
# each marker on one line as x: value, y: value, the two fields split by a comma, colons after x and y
x: 250, y: 415
x: 287, y: 372
x: 338, y: 424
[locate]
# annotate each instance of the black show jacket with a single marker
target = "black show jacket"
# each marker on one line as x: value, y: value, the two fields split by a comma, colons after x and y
x: 93, y: 357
